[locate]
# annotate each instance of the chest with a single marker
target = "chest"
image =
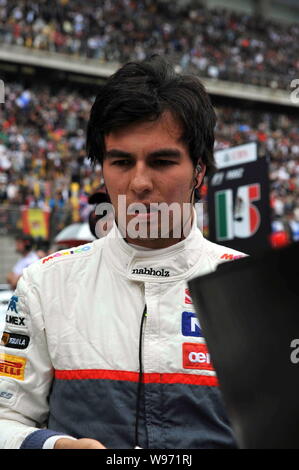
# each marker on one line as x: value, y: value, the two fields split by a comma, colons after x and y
x: 99, y: 327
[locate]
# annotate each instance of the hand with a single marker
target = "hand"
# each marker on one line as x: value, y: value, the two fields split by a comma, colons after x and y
x: 12, y: 279
x: 65, y: 443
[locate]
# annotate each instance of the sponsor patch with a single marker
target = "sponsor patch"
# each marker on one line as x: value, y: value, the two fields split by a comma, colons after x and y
x: 196, y: 356
x: 13, y: 304
x: 190, y: 325
x: 6, y: 395
x: 188, y: 300
x: 13, y: 340
x: 229, y: 256
x: 8, y: 391
x: 151, y: 272
x: 12, y: 366
x: 13, y: 320
x: 69, y: 252
x: 13, y: 315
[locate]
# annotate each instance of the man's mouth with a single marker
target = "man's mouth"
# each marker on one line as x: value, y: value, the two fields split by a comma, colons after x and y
x: 143, y: 211
x: 142, y: 208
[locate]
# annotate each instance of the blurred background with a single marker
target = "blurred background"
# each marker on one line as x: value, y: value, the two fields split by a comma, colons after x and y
x: 55, y: 54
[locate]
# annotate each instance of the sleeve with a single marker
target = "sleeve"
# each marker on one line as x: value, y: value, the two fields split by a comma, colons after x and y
x: 18, y: 267
x: 25, y: 371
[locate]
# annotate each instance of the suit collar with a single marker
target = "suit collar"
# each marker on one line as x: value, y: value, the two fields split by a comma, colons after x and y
x: 162, y: 265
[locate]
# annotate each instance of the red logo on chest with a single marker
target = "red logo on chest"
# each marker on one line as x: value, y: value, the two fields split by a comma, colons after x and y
x: 196, y: 356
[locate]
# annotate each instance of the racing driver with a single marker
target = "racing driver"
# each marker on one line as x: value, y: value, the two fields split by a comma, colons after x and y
x: 102, y: 347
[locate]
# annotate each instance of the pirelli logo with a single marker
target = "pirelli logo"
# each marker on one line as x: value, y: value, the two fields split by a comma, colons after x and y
x: 12, y: 366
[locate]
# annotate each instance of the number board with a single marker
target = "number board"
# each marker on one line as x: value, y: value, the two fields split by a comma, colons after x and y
x: 239, y: 207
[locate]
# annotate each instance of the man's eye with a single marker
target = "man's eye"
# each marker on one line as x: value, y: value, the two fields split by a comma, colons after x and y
x: 160, y: 162
x: 121, y: 162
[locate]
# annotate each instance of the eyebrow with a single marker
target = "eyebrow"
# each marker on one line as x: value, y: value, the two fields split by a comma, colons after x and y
x: 163, y: 152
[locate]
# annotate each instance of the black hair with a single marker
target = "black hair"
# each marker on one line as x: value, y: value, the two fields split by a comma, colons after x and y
x: 142, y: 91
x: 26, y: 239
x: 42, y: 244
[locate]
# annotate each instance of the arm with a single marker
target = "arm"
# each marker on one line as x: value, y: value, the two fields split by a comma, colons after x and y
x: 25, y: 369
x: 12, y: 279
x: 26, y: 375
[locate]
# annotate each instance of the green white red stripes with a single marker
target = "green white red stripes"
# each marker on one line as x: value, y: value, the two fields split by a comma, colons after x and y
x: 224, y: 214
x: 240, y: 220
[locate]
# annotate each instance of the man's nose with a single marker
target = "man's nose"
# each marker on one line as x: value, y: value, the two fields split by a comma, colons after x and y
x: 141, y: 181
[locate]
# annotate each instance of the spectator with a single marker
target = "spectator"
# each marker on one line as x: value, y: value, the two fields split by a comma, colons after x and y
x: 24, y: 246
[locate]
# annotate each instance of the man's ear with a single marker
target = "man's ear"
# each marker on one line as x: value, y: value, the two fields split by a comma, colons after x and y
x: 200, y: 172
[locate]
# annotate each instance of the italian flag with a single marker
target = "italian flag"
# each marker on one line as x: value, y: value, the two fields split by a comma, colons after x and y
x: 224, y: 210
x: 241, y: 220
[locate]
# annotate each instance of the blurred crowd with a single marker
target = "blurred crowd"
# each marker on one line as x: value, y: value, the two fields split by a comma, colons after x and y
x: 277, y: 135
x: 42, y: 151
x: 214, y: 42
x: 43, y: 160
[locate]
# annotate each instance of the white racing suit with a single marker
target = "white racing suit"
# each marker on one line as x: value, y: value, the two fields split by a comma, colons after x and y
x: 70, y: 354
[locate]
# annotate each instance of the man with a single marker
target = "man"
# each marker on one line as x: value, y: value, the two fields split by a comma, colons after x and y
x: 116, y: 356
x: 24, y: 246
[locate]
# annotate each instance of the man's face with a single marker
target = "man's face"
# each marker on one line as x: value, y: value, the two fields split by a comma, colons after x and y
x: 148, y: 163
x: 20, y: 247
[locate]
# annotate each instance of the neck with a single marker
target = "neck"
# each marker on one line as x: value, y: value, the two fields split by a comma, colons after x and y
x: 154, y: 244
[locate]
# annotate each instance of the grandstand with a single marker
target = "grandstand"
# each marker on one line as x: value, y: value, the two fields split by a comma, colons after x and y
x: 54, y: 55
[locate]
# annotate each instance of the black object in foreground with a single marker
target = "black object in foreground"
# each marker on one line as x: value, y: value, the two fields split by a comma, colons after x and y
x: 249, y: 313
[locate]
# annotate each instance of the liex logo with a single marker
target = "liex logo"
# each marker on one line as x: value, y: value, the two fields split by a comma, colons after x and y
x: 16, y: 320
x: 13, y: 320
x: 190, y: 325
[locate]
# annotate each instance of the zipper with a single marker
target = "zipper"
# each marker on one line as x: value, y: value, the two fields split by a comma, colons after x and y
x: 140, y: 379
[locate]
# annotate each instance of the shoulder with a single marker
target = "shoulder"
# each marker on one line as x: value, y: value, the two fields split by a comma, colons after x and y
x: 30, y: 258
x: 58, y: 272
x: 71, y: 259
x: 69, y: 254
